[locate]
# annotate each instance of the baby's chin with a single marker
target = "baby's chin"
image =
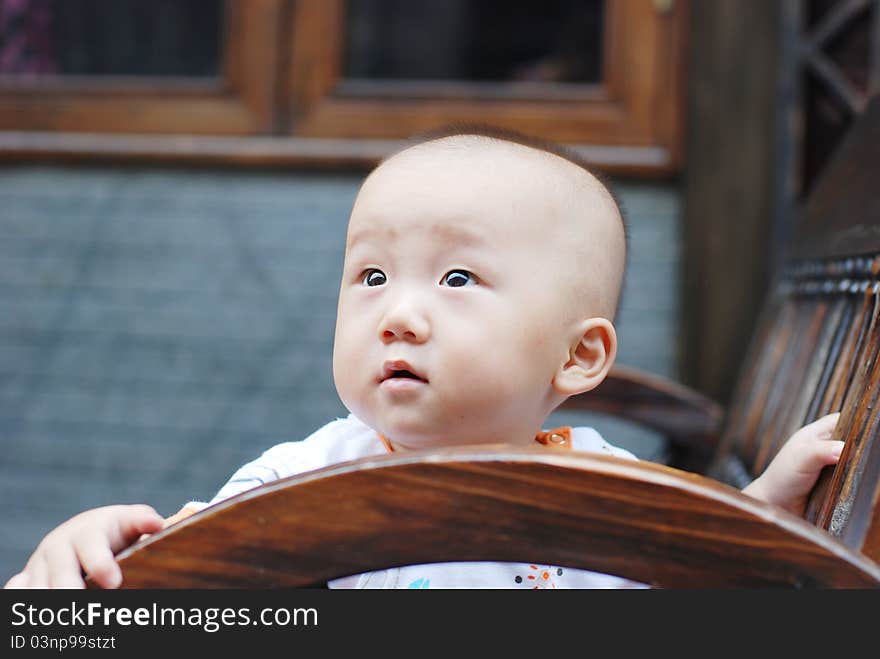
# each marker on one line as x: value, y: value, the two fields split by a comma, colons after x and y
x: 413, y: 429
x: 405, y: 437
x: 409, y: 439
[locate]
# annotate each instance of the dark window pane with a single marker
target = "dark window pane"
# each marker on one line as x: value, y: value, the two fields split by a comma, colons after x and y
x: 484, y: 41
x: 111, y: 37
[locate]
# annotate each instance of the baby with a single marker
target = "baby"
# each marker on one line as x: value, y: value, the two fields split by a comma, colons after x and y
x: 482, y: 271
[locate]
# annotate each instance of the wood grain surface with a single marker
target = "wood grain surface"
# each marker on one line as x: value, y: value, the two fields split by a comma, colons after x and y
x: 643, y: 521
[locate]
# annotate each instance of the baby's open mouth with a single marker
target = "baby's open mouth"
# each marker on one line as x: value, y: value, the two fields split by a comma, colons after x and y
x: 404, y: 374
x: 400, y: 370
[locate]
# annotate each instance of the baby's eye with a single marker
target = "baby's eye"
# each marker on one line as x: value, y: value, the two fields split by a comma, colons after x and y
x: 458, y: 278
x: 374, y: 277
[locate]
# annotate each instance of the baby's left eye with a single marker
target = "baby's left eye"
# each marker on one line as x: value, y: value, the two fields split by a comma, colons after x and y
x: 458, y: 278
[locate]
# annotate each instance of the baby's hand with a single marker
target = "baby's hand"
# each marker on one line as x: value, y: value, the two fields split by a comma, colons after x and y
x: 86, y: 544
x: 791, y: 475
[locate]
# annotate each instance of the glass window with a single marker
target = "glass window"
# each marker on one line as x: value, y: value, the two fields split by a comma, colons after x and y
x: 556, y: 41
x: 176, y: 38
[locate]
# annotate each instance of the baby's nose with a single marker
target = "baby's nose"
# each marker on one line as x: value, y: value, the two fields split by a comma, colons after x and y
x: 405, y: 322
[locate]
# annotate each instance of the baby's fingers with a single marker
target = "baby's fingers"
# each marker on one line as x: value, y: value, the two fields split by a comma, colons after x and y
x: 821, y: 428
x: 829, y: 451
x: 123, y: 526
x: 812, y: 456
x: 20, y: 580
x: 135, y: 521
x: 63, y: 568
x: 34, y: 575
x: 98, y: 563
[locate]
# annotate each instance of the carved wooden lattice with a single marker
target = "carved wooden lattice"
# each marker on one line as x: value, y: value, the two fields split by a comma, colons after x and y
x: 829, y: 68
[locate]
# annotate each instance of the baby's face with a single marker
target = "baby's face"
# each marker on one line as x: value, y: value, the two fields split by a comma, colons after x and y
x: 455, y: 308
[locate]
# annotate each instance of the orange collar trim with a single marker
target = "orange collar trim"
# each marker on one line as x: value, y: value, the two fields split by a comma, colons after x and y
x: 556, y: 437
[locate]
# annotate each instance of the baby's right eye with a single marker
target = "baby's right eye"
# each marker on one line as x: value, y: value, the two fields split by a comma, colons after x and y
x: 374, y: 277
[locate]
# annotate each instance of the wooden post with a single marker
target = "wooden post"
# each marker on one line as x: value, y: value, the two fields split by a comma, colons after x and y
x: 729, y: 185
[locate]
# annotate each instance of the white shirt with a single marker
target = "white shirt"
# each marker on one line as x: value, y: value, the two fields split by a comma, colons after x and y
x: 348, y: 439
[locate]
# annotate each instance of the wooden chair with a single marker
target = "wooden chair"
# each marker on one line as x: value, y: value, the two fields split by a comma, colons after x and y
x: 814, y: 351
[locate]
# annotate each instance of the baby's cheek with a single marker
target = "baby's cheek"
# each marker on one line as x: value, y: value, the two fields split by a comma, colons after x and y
x: 496, y: 379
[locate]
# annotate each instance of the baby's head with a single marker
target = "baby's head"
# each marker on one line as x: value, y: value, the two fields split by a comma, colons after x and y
x: 481, y: 276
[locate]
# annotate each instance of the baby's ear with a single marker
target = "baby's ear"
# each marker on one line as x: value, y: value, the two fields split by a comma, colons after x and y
x: 589, y: 359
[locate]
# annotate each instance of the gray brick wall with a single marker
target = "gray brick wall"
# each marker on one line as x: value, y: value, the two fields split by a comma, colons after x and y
x: 158, y: 328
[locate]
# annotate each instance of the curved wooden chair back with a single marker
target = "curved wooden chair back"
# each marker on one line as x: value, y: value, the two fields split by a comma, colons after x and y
x: 643, y: 521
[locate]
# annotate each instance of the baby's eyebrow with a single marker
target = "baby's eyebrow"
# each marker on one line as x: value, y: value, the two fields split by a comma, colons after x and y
x: 369, y: 233
x: 455, y: 233
x: 459, y: 234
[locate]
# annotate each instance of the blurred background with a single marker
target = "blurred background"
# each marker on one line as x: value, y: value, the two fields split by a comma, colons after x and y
x: 176, y: 177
